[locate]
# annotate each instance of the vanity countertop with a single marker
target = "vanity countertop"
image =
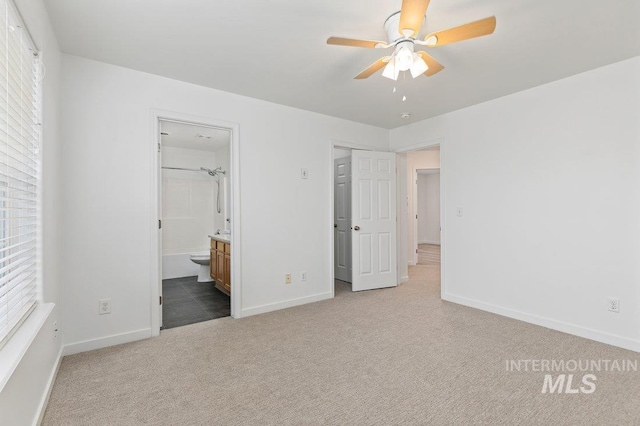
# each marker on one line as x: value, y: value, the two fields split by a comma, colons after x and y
x: 225, y: 238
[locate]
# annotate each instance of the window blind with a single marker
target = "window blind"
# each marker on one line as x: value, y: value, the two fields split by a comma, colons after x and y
x: 19, y: 171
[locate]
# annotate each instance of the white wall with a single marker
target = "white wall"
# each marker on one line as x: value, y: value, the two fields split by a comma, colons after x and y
x: 107, y: 132
x: 549, y: 180
x: 429, y: 208
x: 23, y: 396
x: 416, y: 160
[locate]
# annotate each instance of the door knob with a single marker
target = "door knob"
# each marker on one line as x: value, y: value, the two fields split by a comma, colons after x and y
x: 357, y: 228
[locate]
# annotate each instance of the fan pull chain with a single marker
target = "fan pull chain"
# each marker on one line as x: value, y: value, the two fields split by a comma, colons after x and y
x: 404, y: 80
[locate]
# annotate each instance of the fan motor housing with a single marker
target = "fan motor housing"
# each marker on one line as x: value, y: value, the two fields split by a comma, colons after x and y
x: 392, y: 28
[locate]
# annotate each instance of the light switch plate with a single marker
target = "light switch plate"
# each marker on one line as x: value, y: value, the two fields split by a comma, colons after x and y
x: 304, y: 173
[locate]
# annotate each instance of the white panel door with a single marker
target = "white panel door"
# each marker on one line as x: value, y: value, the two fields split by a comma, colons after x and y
x: 342, y: 218
x: 373, y: 219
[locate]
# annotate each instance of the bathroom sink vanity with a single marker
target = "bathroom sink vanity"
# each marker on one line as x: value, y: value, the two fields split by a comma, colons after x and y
x: 221, y: 262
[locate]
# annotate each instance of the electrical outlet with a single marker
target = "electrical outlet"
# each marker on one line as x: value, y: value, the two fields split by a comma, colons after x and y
x: 614, y: 304
x: 104, y: 306
x: 287, y: 279
x: 303, y: 276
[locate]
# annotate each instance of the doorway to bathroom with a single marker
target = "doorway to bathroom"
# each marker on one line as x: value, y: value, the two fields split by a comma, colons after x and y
x: 194, y: 188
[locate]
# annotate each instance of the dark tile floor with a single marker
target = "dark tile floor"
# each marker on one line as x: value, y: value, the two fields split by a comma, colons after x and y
x: 186, y: 301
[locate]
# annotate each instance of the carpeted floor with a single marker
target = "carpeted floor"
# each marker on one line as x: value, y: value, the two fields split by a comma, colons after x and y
x: 395, y: 356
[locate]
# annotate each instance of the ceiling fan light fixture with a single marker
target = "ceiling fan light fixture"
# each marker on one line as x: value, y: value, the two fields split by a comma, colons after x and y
x: 391, y: 71
x: 419, y: 66
x: 404, y: 58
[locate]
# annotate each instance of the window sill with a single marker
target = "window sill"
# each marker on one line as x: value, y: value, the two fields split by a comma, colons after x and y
x: 15, y: 349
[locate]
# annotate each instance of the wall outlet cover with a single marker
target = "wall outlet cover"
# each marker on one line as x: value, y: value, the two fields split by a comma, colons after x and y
x: 613, y: 304
x: 104, y: 306
x: 287, y: 279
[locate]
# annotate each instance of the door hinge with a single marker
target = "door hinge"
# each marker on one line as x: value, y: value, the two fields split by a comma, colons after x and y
x: 161, y: 300
x: 158, y: 146
x: 416, y: 250
x: 159, y: 224
x: 416, y: 216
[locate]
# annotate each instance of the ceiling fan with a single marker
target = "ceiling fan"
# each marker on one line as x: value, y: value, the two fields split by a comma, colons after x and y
x: 402, y: 30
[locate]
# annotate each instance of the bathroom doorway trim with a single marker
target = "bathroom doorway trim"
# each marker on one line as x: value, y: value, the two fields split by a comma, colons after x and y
x: 156, y: 264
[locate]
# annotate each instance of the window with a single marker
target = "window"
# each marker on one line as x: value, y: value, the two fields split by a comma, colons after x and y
x: 19, y: 171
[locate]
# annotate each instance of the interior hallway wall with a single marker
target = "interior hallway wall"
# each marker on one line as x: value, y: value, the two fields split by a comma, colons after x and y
x: 108, y: 132
x: 548, y: 180
x: 429, y: 208
x: 416, y: 160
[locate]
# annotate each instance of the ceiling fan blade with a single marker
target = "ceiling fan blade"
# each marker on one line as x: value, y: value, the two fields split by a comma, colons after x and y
x: 370, y: 44
x: 463, y: 32
x: 375, y: 67
x: 412, y: 17
x: 434, y: 66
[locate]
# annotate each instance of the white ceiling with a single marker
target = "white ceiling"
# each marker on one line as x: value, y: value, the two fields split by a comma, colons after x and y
x: 275, y: 50
x: 189, y: 136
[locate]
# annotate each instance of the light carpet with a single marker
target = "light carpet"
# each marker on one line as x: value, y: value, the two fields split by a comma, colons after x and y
x: 396, y: 356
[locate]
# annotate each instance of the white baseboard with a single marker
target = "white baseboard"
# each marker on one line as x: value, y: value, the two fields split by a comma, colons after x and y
x: 47, y: 394
x: 437, y: 243
x: 286, y: 304
x: 103, y: 342
x: 576, y: 330
x: 404, y: 279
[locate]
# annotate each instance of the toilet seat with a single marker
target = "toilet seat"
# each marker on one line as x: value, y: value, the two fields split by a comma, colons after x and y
x: 200, y: 256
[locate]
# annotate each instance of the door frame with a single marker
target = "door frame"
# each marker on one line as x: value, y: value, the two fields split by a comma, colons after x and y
x: 332, y: 145
x: 158, y: 115
x: 443, y: 240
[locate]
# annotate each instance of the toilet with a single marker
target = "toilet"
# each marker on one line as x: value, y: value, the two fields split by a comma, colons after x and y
x: 203, y: 259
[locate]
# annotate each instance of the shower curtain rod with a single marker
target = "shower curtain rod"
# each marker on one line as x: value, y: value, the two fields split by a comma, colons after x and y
x: 181, y: 168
